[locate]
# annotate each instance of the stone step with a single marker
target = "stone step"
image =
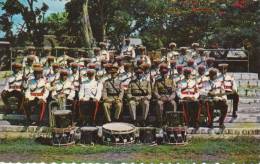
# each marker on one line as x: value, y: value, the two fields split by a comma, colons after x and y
x: 8, y: 131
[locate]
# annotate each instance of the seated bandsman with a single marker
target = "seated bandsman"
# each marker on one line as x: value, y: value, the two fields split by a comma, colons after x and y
x: 172, y: 54
x: 201, y: 77
x: 31, y: 53
x: 89, y: 96
x: 52, y: 74
x: 145, y: 58
x: 188, y: 93
x: 74, y: 77
x: 179, y: 76
x: 164, y: 92
x: 172, y: 70
x: 201, y: 59
x: 45, y: 56
x: 120, y: 64
x: 104, y: 52
x: 139, y: 94
x: 147, y: 73
x: 62, y: 60
x: 112, y: 95
x: 155, y: 69
x: 126, y: 77
x: 194, y: 50
x: 215, y: 91
x: 192, y: 66
x: 63, y: 91
x: 14, y: 87
x: 36, y: 94
x: 164, y: 53
x: 48, y: 65
x: 183, y: 56
x: 210, y: 62
x: 230, y: 87
x: 128, y: 50
x: 28, y: 68
x: 97, y: 58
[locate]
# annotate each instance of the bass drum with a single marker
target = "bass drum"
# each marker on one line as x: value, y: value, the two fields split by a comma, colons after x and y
x: 118, y: 133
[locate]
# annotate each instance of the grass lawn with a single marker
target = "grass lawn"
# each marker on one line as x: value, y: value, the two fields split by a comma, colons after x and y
x: 198, y: 150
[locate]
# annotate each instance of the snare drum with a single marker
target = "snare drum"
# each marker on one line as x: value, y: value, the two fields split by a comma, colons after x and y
x: 63, y: 118
x: 175, y: 135
x: 118, y: 133
x: 89, y: 135
x: 147, y: 135
x: 63, y: 136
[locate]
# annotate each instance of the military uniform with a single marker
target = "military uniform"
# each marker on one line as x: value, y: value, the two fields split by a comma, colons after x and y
x: 112, y: 95
x: 230, y: 87
x: 128, y: 50
x: 215, y: 91
x: 36, y: 93
x: 187, y: 92
x: 14, y: 87
x: 139, y: 93
x: 89, y: 96
x: 32, y: 54
x: 164, y: 92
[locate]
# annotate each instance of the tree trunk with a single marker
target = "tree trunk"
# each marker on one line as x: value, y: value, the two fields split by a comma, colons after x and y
x: 85, y: 26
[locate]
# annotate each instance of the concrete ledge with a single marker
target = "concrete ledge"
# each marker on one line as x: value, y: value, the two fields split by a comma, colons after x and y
x: 11, y: 132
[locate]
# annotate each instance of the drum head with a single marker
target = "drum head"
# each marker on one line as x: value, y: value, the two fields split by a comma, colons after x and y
x: 119, y: 127
x: 61, y: 112
x: 89, y: 128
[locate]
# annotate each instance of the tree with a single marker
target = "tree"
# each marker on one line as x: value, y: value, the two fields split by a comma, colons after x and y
x: 32, y: 17
x: 78, y: 22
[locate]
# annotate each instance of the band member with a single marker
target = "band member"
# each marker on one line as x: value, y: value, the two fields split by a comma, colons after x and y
x: 192, y: 66
x: 164, y: 54
x: 179, y: 76
x: 104, y: 52
x: 164, y: 92
x: 36, y: 94
x: 45, y: 56
x: 120, y: 64
x: 52, y: 74
x: 215, y: 91
x: 201, y: 77
x: 155, y: 69
x: 82, y: 54
x: 126, y: 77
x: 201, y: 59
x: 64, y: 91
x: 172, y: 54
x: 128, y: 50
x: 28, y: 68
x: 48, y: 65
x: 31, y: 51
x: 194, y: 50
x: 210, y: 62
x: 172, y: 70
x: 143, y: 56
x: 112, y: 95
x: 188, y: 94
x: 74, y: 77
x: 62, y: 60
x: 230, y: 87
x: 182, y: 58
x: 139, y: 94
x: 89, y: 96
x: 13, y: 88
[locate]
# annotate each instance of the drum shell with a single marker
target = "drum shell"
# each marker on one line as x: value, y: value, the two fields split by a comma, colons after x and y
x: 147, y: 135
x: 63, y: 121
x: 175, y: 135
x: 89, y: 136
x: 118, y: 137
x: 63, y: 136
